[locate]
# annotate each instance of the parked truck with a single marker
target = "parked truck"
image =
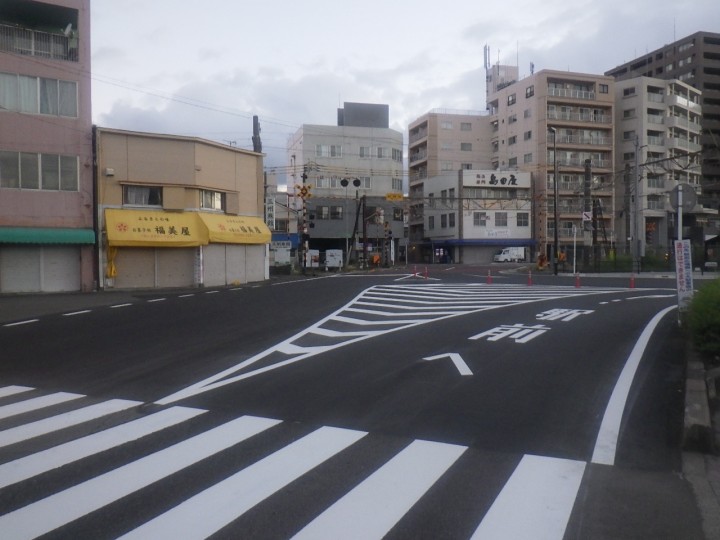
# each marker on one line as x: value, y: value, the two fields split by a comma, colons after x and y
x: 510, y: 254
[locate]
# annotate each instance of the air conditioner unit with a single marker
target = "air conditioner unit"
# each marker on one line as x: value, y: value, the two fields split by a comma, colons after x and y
x: 109, y: 172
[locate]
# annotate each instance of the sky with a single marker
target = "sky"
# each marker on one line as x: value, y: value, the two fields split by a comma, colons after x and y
x: 203, y: 69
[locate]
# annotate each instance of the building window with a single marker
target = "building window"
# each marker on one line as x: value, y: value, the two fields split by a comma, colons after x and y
x: 512, y: 162
x: 501, y: 219
x: 511, y: 99
x: 466, y: 166
x: 397, y: 184
x: 33, y: 95
x: 397, y: 155
x: 527, y: 113
x: 629, y: 91
x: 512, y: 118
x: 512, y: 140
x: 629, y: 135
x: 527, y: 135
x: 523, y: 219
x: 443, y: 221
x: 365, y: 182
x: 465, y: 126
x: 604, y: 88
x: 629, y: 113
x: 212, y: 200
x: 466, y: 147
x: 364, y: 151
x: 446, y: 165
x: 530, y: 91
x: 446, y: 124
x: 397, y: 214
x: 336, y: 212
x: 629, y: 156
x: 49, y: 172
x: 142, y: 195
x: 431, y: 222
x: 335, y: 150
x: 451, y: 220
x: 527, y: 158
x: 479, y: 219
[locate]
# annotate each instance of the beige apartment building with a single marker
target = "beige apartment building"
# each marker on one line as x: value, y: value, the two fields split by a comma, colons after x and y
x: 561, y: 120
x: 441, y: 143
x: 658, y: 131
x: 178, y: 211
x: 47, y: 233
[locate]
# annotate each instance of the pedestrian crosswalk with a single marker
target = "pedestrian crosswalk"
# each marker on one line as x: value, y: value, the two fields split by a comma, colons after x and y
x: 135, y: 470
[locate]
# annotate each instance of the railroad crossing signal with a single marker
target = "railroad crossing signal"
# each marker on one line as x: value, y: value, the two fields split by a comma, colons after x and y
x: 303, y: 191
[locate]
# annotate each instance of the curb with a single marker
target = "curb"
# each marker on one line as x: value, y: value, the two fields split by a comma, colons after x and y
x: 698, y: 434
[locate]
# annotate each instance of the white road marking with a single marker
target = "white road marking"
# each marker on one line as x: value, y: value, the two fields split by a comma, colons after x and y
x: 54, y: 511
x: 62, y: 421
x: 372, y: 508
x: 227, y: 500
x: 13, y: 390
x: 156, y: 300
x: 606, y: 443
x: 34, y: 404
x: 457, y: 360
x: 536, y: 501
x: 73, y: 313
x: 186, y: 295
x: 52, y: 458
x: 121, y: 305
x: 386, y: 305
x: 19, y: 323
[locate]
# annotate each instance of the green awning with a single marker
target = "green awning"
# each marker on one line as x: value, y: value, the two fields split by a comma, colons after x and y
x: 45, y: 235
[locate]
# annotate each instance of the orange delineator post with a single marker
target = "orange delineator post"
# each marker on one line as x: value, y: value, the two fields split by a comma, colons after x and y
x: 632, y: 280
x: 529, y: 277
x: 426, y: 272
x: 489, y: 278
x: 577, y: 281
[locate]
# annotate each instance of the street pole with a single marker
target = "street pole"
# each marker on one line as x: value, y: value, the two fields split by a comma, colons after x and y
x: 555, y: 201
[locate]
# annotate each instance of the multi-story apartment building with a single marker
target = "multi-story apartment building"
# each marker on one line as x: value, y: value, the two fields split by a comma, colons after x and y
x: 658, y: 143
x: 356, y: 164
x: 560, y: 121
x: 695, y: 60
x: 441, y: 143
x: 178, y: 212
x: 46, y: 170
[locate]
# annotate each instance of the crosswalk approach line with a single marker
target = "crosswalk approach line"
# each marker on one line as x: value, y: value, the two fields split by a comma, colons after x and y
x: 535, y: 502
x: 229, y: 499
x: 37, y: 403
x: 62, y: 421
x: 73, y: 503
x: 372, y: 508
x: 75, y: 450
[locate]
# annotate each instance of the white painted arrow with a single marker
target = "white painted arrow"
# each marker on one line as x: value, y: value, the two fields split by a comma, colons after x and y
x: 460, y: 364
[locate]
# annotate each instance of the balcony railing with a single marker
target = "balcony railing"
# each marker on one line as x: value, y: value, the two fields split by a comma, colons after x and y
x: 577, y: 139
x: 571, y: 93
x: 19, y: 40
x: 580, y: 117
x: 419, y: 156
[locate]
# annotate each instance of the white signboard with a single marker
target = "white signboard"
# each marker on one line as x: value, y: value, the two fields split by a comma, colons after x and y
x: 683, y: 271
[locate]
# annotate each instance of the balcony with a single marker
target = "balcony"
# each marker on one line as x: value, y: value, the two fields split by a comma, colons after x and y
x: 19, y: 40
x: 418, y: 156
x: 684, y: 123
x: 675, y: 100
x: 577, y: 139
x: 417, y: 135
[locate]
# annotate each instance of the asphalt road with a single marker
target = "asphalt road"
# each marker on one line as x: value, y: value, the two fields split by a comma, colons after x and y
x: 382, y: 404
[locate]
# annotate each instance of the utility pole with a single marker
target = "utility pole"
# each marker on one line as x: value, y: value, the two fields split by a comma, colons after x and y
x: 257, y: 143
x: 305, y: 235
x: 628, y: 210
x: 587, y: 210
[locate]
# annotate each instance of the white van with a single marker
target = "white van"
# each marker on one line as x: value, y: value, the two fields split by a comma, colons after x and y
x: 510, y: 254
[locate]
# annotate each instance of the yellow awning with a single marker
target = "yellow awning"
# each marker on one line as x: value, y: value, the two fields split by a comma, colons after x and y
x: 148, y: 228
x: 224, y: 229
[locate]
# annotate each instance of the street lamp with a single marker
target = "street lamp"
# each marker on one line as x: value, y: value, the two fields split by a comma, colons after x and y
x: 555, y: 200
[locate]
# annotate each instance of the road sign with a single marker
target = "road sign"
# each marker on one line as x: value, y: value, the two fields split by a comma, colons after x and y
x: 394, y: 196
x: 587, y: 216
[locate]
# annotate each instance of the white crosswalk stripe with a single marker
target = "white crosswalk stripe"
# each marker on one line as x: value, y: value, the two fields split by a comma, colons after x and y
x: 367, y: 507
